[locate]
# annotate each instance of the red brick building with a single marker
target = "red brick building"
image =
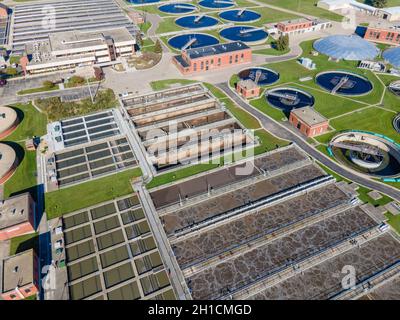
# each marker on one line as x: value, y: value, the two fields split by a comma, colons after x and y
x: 17, y: 216
x: 212, y: 57
x: 20, y: 278
x: 308, y: 121
x: 248, y: 89
x: 383, y: 34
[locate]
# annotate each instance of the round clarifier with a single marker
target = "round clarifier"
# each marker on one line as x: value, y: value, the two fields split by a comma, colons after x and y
x: 344, y: 83
x: 143, y: 1
x: 177, y: 8
x: 196, y: 21
x: 371, y: 154
x: 240, y: 15
x: 216, y: 4
x: 244, y: 33
x: 287, y: 99
x: 192, y: 40
x: 261, y: 76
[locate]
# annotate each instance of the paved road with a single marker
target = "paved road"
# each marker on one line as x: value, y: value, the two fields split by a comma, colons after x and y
x: 285, y: 133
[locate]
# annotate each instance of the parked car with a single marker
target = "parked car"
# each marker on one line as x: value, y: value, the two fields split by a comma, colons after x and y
x: 3, y: 82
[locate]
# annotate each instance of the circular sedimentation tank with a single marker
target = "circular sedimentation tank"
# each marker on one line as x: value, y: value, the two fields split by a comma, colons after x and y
x: 8, y: 121
x: 216, y: 4
x: 240, y: 15
x: 8, y: 162
x: 344, y: 83
x: 192, y: 40
x: 247, y: 34
x: 287, y: 99
x: 196, y: 21
x: 261, y: 76
x: 368, y: 153
x: 177, y: 8
x: 143, y: 1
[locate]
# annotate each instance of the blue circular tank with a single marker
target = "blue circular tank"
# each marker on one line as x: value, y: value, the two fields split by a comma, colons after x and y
x: 239, y: 15
x: 288, y: 99
x: 243, y: 33
x: 192, y: 40
x: 216, y: 4
x: 143, y: 1
x: 344, y: 83
x: 262, y: 76
x: 177, y: 8
x: 196, y: 21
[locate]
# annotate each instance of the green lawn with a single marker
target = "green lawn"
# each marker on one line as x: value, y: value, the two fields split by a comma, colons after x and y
x: 23, y: 243
x: 306, y: 7
x: 24, y: 177
x: 394, y: 221
x: 372, y: 119
x: 33, y: 123
x: 89, y: 193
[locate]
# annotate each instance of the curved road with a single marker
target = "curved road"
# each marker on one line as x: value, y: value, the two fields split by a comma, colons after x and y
x: 284, y: 133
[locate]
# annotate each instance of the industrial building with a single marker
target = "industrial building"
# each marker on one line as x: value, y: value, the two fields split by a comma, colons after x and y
x: 184, y: 125
x: 71, y: 49
x: 8, y: 162
x: 213, y: 57
x: 301, y: 25
x: 111, y: 254
x: 20, y: 276
x: 308, y: 121
x: 17, y: 216
x: 63, y: 16
x: 248, y: 236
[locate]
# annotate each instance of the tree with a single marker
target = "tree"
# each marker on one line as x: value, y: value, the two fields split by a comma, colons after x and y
x: 379, y: 3
x: 158, y: 47
x: 76, y: 81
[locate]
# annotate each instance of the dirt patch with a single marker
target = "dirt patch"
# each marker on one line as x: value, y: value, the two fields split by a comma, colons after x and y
x: 145, y: 61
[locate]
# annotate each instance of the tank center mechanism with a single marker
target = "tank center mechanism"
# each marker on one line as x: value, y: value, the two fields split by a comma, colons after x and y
x: 288, y: 99
x: 342, y: 83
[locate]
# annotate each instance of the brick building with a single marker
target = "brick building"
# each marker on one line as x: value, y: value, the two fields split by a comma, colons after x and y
x: 382, y: 33
x: 20, y: 276
x: 248, y: 89
x: 308, y: 121
x: 212, y: 57
x: 17, y: 216
x: 302, y: 25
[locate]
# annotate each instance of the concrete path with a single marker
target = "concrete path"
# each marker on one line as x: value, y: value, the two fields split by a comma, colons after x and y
x: 283, y: 132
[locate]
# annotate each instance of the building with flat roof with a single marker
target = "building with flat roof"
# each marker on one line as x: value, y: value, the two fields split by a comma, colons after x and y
x: 75, y: 48
x: 17, y: 216
x: 308, y: 121
x: 66, y: 15
x: 20, y: 276
x: 248, y: 88
x: 301, y: 25
x: 212, y: 57
x: 383, y: 33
